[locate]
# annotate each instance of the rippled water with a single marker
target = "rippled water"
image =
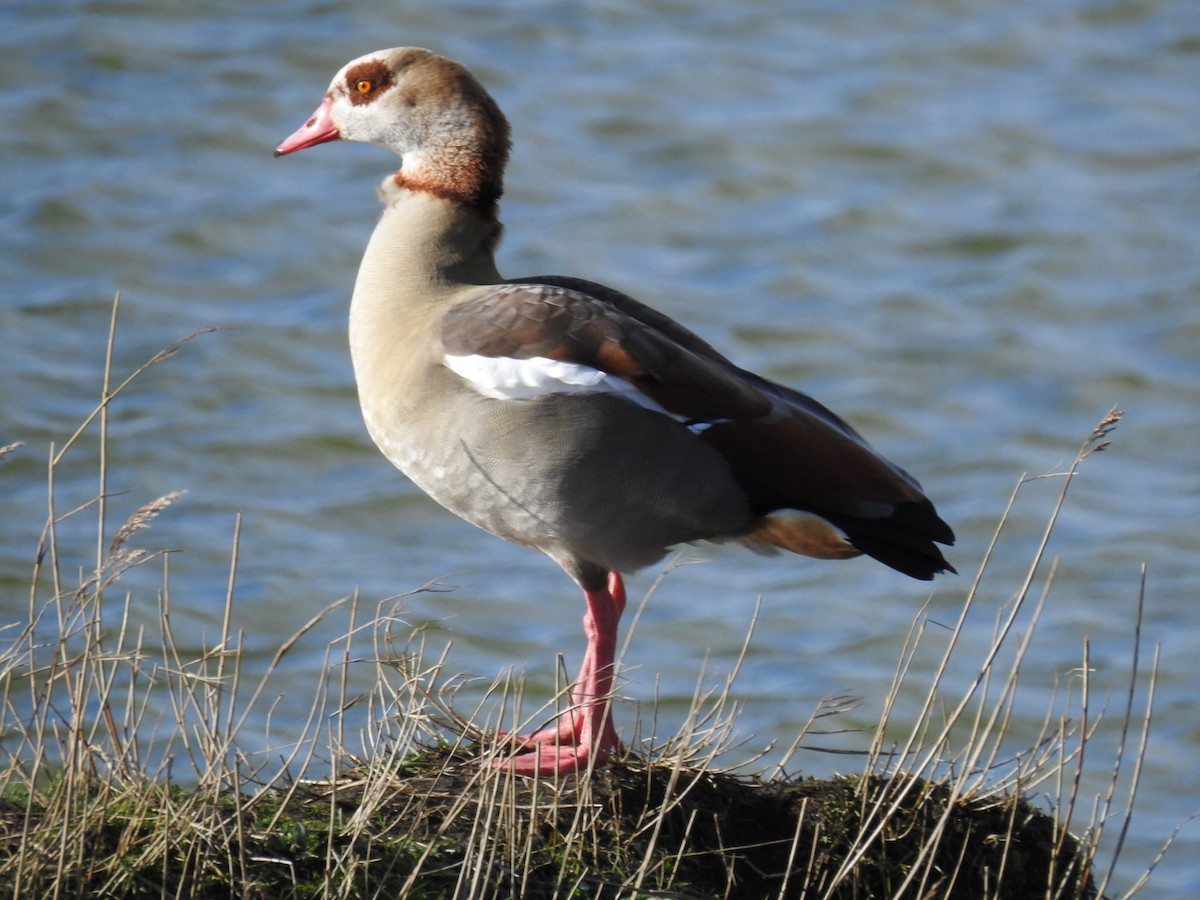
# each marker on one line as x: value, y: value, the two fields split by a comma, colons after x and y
x: 969, y: 227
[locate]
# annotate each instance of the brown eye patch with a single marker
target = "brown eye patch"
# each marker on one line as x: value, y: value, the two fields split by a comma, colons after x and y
x: 368, y: 80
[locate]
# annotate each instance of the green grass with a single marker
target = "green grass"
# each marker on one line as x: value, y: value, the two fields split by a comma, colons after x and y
x: 100, y: 796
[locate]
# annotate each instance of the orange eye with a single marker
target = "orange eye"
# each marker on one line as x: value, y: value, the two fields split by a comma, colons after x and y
x: 364, y: 86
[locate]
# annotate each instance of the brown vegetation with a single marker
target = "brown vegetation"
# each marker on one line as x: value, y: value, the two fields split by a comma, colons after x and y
x: 95, y: 799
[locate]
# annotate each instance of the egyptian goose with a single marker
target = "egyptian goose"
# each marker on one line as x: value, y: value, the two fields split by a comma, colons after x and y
x: 564, y: 415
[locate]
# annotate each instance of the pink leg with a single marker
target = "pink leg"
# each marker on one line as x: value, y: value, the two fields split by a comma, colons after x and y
x: 569, y: 724
x: 586, y: 731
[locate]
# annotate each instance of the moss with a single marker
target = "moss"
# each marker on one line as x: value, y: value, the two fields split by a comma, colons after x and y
x: 433, y: 824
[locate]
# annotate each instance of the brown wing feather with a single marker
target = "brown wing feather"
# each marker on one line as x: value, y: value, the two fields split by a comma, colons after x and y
x: 785, y: 449
x: 632, y: 308
x: 526, y: 320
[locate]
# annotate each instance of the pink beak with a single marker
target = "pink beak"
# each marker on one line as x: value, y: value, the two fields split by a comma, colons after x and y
x: 317, y: 130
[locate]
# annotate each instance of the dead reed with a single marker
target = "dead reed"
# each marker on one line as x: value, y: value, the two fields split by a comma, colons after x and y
x: 101, y: 797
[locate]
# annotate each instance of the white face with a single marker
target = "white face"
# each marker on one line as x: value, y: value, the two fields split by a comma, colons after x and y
x: 365, y: 100
x: 381, y: 98
x: 451, y: 135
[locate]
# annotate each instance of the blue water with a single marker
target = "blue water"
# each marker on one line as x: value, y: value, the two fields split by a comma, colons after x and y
x: 970, y: 228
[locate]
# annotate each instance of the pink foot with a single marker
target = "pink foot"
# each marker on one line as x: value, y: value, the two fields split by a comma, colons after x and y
x: 584, y: 735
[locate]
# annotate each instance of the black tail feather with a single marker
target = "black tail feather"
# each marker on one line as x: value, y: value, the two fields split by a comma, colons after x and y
x: 905, y: 540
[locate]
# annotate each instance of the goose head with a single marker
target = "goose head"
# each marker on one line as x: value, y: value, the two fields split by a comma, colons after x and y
x: 452, y: 139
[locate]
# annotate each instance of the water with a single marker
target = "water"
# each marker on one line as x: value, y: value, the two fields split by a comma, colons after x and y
x: 971, y: 228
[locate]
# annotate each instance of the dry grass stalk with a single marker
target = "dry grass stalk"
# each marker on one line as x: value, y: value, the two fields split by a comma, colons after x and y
x: 101, y: 795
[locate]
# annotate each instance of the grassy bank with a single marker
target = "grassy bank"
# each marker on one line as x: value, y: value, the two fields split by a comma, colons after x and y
x: 100, y: 796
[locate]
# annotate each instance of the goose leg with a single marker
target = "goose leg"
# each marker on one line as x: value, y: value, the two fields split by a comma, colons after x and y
x: 586, y: 731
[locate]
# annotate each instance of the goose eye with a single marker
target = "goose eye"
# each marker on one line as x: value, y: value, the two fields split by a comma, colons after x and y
x: 364, y: 86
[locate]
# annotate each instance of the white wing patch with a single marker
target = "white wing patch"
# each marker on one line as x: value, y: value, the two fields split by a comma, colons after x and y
x: 505, y: 378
